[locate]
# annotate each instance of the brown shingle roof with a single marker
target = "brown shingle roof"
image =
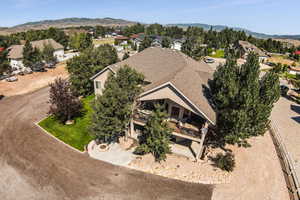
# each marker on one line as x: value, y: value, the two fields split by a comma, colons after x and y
x: 160, y: 65
x: 16, y: 51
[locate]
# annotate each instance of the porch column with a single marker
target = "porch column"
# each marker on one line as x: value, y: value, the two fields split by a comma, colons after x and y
x: 131, y: 128
x: 203, y: 135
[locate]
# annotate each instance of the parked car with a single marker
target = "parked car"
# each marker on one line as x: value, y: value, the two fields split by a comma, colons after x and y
x: 209, y: 60
x: 50, y: 65
x: 12, y: 79
x: 39, y: 67
x: 27, y: 70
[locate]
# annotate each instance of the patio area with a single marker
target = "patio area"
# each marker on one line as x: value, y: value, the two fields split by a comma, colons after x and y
x: 114, y: 154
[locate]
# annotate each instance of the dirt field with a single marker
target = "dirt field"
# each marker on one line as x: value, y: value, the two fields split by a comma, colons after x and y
x: 34, y: 166
x: 257, y: 175
x: 282, y: 60
x: 32, y: 82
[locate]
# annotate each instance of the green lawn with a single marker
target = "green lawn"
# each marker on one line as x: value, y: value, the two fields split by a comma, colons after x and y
x: 75, y: 135
x: 219, y: 54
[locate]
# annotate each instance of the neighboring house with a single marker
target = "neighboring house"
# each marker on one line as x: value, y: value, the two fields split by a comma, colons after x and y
x: 294, y: 70
x: 177, y: 44
x: 176, y: 81
x: 136, y: 39
x: 122, y: 40
x: 246, y: 47
x: 297, y: 53
x: 15, y: 54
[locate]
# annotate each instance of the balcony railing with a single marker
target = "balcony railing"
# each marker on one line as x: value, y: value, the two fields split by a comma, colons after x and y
x: 177, y: 126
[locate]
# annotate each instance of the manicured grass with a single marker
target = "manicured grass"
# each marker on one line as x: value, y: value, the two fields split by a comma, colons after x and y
x: 103, y: 41
x: 219, y: 54
x: 76, y: 135
x: 287, y: 75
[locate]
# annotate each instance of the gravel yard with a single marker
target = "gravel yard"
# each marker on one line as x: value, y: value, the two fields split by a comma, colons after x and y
x: 32, y: 82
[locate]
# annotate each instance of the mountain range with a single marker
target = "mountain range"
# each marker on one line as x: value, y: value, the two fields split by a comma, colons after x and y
x: 222, y: 27
x: 73, y: 22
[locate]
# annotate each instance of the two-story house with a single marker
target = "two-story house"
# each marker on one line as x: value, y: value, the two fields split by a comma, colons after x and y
x: 176, y: 81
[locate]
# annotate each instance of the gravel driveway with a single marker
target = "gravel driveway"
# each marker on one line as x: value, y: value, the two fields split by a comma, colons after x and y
x: 33, y: 165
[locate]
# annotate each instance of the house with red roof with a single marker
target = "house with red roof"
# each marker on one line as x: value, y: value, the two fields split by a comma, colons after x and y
x: 297, y: 53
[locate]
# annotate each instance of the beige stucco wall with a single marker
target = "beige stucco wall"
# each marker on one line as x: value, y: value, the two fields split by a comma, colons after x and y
x: 168, y: 93
x: 101, y: 79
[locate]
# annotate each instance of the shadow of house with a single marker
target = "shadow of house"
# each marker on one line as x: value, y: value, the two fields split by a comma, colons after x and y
x: 297, y: 119
x: 295, y: 108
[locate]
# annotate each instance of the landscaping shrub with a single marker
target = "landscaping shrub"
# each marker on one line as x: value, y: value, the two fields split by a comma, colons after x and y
x: 141, y: 149
x: 225, y: 162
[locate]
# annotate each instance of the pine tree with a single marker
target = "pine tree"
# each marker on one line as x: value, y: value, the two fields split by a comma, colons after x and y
x: 81, y: 68
x: 28, y: 53
x: 4, y: 64
x: 125, y: 56
x: 243, y: 102
x: 145, y: 43
x: 113, y: 110
x: 166, y: 42
x: 48, y: 55
x: 156, y: 135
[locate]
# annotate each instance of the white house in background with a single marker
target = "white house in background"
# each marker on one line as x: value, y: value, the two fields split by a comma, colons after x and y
x: 15, y: 54
x: 177, y: 44
x: 294, y: 70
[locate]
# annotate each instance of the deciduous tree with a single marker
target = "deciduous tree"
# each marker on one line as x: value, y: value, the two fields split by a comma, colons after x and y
x: 64, y: 105
x: 81, y: 68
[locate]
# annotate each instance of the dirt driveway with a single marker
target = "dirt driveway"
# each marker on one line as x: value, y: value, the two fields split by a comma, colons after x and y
x: 34, y: 166
x: 32, y: 82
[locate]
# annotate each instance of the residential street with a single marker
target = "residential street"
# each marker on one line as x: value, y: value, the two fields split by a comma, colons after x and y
x: 33, y: 165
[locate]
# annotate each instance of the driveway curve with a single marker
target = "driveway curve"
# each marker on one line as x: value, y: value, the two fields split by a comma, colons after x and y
x: 33, y: 165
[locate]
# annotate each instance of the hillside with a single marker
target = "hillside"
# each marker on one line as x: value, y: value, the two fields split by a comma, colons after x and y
x: 221, y: 27
x: 67, y: 22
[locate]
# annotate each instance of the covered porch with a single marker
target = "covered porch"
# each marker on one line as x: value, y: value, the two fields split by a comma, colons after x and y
x: 189, y: 128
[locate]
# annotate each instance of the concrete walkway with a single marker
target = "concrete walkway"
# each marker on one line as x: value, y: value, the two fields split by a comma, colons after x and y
x: 115, y: 154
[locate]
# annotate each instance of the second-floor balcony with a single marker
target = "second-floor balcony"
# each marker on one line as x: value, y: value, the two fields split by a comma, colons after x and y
x: 187, y: 127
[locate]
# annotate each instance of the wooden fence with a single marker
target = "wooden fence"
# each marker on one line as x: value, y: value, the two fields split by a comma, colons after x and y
x: 286, y: 162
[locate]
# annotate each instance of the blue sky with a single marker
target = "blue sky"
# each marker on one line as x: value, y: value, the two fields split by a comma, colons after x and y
x: 267, y: 16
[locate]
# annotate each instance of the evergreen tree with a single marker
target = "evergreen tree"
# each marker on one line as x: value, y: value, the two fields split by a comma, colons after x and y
x: 156, y: 135
x: 48, y: 53
x: 4, y: 64
x: 125, y: 56
x: 28, y: 53
x: 113, y: 109
x: 81, y: 41
x: 31, y: 56
x: 242, y: 101
x: 145, y: 43
x: 81, y: 68
x: 166, y: 42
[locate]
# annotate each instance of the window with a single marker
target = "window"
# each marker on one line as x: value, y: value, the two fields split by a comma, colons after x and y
x: 98, y: 85
x: 175, y: 112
